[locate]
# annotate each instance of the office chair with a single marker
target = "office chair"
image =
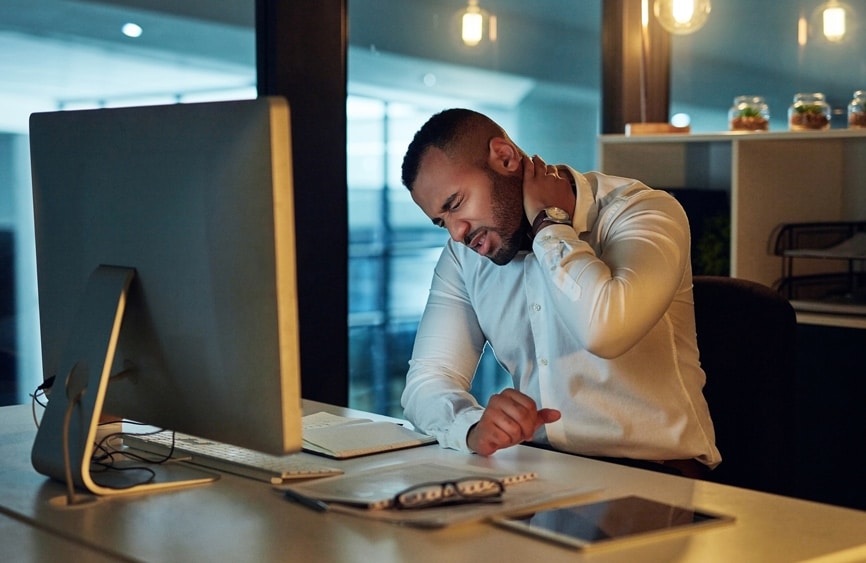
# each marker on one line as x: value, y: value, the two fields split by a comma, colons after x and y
x: 746, y: 335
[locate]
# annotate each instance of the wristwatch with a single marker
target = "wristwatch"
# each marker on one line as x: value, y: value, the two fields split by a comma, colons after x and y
x: 548, y: 215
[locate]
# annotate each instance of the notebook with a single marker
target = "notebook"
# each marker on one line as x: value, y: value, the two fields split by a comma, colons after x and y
x: 375, y: 489
x: 369, y: 494
x: 341, y: 437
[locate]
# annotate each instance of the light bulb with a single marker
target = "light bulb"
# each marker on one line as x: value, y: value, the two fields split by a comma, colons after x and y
x: 131, y: 30
x: 834, y: 22
x: 682, y: 16
x: 683, y: 11
x: 473, y: 22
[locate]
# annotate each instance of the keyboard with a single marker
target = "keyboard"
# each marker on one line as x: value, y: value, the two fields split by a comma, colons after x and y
x: 273, y: 469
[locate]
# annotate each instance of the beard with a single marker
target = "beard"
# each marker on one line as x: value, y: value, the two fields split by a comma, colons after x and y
x: 508, y: 215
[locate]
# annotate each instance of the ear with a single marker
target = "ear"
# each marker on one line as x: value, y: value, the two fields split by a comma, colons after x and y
x: 503, y: 156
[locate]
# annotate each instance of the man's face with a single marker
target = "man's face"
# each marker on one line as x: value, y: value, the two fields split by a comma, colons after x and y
x: 480, y: 208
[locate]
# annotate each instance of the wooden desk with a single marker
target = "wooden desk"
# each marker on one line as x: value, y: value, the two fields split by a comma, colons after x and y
x: 21, y: 541
x: 238, y: 519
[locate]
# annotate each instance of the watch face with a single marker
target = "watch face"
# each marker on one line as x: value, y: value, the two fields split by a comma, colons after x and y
x: 557, y: 214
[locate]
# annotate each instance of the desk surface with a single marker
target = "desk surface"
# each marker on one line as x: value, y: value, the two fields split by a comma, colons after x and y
x: 237, y: 519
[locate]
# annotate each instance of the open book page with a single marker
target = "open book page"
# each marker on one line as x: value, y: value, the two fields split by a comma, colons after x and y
x: 342, y: 437
x: 369, y: 493
x: 325, y: 419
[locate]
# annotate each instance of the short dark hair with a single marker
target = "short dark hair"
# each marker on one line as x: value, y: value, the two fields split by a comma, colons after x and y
x: 442, y: 131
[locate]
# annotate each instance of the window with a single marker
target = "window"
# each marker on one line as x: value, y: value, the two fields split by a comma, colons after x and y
x: 539, y: 80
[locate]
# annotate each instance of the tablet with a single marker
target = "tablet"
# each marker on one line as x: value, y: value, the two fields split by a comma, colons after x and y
x: 611, y: 522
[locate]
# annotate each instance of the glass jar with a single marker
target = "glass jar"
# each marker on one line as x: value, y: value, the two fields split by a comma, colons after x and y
x: 749, y: 113
x: 857, y: 110
x: 809, y: 112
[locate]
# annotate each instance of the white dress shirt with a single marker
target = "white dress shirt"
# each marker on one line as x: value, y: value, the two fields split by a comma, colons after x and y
x: 596, y: 321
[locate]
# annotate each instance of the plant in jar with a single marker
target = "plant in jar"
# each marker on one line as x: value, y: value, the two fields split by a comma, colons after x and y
x: 809, y: 112
x: 857, y: 110
x: 749, y: 113
x: 809, y: 116
x: 749, y: 119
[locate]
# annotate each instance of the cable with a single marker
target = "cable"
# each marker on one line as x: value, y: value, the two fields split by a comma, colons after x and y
x: 105, y: 454
x: 168, y: 456
x: 151, y: 475
x: 40, y: 391
x: 107, y: 458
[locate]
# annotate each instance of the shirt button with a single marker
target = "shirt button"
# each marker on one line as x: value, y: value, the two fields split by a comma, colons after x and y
x: 543, y: 361
x: 536, y: 307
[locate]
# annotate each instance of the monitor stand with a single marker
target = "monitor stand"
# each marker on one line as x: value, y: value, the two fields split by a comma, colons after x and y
x: 64, y: 444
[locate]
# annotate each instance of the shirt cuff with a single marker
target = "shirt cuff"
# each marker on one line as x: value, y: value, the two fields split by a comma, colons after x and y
x: 549, y: 237
x: 460, y: 428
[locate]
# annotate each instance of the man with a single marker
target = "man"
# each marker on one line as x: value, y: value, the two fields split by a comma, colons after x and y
x: 580, y: 283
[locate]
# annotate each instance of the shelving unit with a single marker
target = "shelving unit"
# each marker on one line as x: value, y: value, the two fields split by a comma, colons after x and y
x: 773, y: 178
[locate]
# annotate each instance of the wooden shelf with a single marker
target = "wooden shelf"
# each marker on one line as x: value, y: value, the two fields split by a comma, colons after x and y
x: 772, y: 178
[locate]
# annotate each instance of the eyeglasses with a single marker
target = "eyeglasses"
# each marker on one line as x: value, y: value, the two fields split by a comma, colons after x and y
x: 460, y: 491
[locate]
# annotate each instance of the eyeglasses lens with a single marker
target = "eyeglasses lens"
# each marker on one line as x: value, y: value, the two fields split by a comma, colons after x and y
x: 464, y: 490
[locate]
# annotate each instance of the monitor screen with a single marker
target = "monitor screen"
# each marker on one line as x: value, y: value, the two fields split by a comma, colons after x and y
x: 196, y: 200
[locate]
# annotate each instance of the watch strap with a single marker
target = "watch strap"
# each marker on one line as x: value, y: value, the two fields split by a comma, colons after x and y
x: 544, y: 217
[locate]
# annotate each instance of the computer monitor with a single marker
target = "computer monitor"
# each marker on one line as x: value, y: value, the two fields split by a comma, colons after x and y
x: 165, y: 248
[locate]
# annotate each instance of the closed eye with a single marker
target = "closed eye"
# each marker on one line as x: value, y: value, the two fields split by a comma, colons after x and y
x: 450, y: 206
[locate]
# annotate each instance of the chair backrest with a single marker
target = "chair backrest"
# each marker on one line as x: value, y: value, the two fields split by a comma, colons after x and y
x: 747, y: 339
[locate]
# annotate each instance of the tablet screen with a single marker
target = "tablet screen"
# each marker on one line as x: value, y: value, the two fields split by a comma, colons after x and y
x: 605, y: 522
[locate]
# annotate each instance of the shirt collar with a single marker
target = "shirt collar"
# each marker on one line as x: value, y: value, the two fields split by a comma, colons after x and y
x: 585, y: 208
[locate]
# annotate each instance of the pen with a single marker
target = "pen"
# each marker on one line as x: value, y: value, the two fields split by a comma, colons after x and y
x: 315, y: 504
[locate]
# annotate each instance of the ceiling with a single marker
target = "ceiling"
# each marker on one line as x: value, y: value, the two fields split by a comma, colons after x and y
x: 66, y: 54
x: 71, y: 53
